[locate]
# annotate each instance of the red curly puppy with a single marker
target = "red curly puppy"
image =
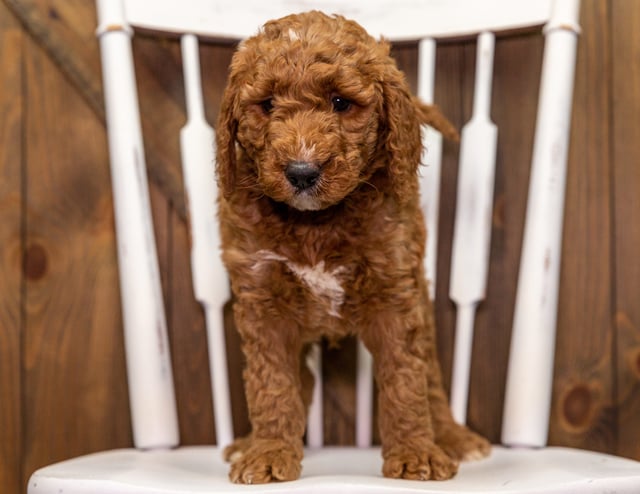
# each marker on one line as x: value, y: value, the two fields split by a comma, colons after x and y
x: 318, y: 147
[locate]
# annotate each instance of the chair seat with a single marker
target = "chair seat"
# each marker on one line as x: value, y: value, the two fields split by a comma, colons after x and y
x: 338, y: 470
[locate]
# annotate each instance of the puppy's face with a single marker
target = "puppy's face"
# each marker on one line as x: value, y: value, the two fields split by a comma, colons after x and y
x: 307, y: 105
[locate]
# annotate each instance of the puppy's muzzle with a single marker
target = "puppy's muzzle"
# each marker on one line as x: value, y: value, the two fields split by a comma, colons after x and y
x: 302, y: 174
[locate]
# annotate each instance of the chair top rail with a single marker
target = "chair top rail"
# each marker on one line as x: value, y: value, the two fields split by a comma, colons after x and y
x: 397, y: 20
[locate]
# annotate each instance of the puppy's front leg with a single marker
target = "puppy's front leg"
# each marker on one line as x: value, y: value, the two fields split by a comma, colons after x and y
x: 408, y: 442
x: 274, y: 449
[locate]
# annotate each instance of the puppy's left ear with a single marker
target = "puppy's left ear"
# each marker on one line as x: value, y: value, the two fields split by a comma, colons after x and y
x: 402, y: 142
x: 226, y: 131
x: 404, y: 114
x: 431, y: 115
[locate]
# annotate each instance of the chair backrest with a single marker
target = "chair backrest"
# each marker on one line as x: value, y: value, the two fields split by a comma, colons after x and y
x: 152, y: 396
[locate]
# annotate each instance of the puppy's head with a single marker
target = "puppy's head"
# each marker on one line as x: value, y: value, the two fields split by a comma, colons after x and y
x: 313, y: 108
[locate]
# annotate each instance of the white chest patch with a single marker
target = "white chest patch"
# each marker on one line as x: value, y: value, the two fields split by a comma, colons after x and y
x: 325, y: 285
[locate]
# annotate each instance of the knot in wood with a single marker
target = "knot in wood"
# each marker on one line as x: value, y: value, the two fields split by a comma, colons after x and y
x: 35, y: 262
x: 577, y: 407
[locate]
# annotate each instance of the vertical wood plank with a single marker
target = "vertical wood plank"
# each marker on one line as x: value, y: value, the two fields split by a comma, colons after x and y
x: 214, y: 61
x: 625, y: 92
x: 11, y: 159
x: 454, y: 78
x: 74, y: 379
x: 515, y: 89
x: 339, y: 404
x: 189, y: 346
x: 516, y: 76
x: 66, y: 30
x: 581, y: 408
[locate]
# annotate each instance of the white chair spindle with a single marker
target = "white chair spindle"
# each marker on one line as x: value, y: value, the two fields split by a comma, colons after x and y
x: 431, y: 158
x: 315, y: 429
x: 210, y: 279
x: 151, y: 391
x: 472, y: 231
x: 364, y: 396
x: 530, y: 371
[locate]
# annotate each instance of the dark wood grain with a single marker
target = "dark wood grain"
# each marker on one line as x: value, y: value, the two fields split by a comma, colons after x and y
x: 517, y: 65
x: 189, y: 346
x: 11, y: 138
x: 625, y: 119
x: 66, y: 31
x: 583, y: 385
x: 339, y: 397
x: 454, y: 69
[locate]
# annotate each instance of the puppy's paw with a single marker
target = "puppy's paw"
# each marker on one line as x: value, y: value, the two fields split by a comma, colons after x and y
x: 427, y: 463
x: 266, y: 461
x: 236, y: 449
x: 463, y: 444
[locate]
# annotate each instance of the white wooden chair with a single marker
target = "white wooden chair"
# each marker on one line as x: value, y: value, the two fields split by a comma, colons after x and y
x: 523, y: 464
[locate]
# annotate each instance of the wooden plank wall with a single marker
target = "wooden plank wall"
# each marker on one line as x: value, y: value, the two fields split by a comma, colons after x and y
x: 62, y: 379
x: 625, y: 130
x: 11, y: 235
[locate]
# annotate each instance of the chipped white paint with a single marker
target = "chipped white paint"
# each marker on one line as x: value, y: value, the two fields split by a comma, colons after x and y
x: 324, y: 284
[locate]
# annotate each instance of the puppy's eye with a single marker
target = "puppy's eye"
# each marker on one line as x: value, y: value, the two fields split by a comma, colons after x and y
x: 340, y: 104
x: 267, y: 105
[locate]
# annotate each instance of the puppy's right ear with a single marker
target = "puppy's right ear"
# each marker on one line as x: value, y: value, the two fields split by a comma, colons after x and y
x: 226, y: 130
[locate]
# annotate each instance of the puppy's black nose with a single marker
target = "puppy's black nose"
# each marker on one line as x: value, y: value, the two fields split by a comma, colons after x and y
x: 301, y: 174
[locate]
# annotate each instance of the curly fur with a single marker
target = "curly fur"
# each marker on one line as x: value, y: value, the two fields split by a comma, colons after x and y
x: 341, y: 257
